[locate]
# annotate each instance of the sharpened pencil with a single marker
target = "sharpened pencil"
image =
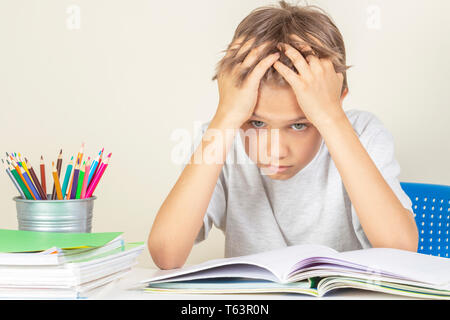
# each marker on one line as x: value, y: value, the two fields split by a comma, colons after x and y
x: 17, y: 168
x: 56, y: 182
x: 58, y: 169
x: 21, y: 183
x: 80, y: 180
x: 97, y: 177
x: 16, y: 184
x: 94, y: 166
x: 76, y: 172
x: 34, y: 192
x: 67, y: 177
x: 35, y: 180
x: 43, y: 181
x: 85, y: 181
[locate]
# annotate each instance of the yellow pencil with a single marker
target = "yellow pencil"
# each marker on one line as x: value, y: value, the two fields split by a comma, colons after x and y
x: 24, y: 165
x: 57, y: 184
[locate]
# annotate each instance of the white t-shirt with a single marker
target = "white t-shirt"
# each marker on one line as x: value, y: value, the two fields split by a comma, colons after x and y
x: 257, y: 213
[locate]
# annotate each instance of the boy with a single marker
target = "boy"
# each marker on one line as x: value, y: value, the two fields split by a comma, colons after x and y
x: 333, y: 178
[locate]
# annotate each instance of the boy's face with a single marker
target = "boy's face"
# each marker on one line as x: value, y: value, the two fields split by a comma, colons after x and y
x: 298, y: 140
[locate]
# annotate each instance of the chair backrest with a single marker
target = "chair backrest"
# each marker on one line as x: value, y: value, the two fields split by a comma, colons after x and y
x: 431, y: 207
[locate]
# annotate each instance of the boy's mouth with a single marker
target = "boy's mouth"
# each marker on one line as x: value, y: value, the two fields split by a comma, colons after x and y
x: 275, y: 169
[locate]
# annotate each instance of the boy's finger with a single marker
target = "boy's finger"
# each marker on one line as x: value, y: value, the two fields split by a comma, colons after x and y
x: 260, y: 69
x: 253, y: 55
x: 297, y: 59
x: 235, y: 45
x: 288, y: 74
x: 245, y: 46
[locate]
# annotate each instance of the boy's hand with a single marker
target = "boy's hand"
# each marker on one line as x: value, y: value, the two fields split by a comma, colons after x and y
x: 317, y: 86
x: 236, y: 104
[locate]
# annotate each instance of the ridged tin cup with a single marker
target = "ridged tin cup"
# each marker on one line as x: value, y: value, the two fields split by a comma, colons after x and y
x: 55, y: 215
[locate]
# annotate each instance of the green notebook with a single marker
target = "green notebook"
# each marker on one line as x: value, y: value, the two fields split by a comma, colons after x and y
x: 28, y: 241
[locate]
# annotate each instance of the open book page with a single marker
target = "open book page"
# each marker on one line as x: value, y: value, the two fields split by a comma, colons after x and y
x: 429, y: 270
x: 333, y: 283
x: 227, y: 286
x: 278, y: 262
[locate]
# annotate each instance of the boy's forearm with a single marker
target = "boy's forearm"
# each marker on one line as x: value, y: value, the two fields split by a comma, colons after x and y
x: 384, y: 219
x: 181, y: 215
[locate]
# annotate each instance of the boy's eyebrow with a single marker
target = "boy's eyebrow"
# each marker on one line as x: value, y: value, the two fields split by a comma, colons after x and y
x: 292, y: 120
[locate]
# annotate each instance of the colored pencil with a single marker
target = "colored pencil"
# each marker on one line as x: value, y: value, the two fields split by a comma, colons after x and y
x: 22, y: 185
x: 17, y: 168
x: 80, y: 180
x: 67, y: 177
x: 35, y: 193
x: 94, y: 166
x: 56, y: 182
x: 85, y: 181
x: 80, y: 154
x: 76, y: 172
x: 58, y: 169
x: 16, y: 184
x: 35, y: 180
x: 69, y: 187
x: 97, y: 177
x: 24, y: 165
x: 43, y: 182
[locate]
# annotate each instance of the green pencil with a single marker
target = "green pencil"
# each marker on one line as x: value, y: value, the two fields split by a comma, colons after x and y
x: 21, y: 184
x: 80, y: 180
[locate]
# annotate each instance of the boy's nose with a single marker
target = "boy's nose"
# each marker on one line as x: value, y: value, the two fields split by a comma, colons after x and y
x: 278, y: 149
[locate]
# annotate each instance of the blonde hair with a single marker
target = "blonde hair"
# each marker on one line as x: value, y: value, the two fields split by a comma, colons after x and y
x: 274, y: 24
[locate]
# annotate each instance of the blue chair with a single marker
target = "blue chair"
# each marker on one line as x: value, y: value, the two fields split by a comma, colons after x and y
x: 431, y: 207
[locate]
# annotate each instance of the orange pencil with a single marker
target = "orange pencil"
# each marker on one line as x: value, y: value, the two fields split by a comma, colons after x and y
x: 56, y: 180
x: 80, y: 154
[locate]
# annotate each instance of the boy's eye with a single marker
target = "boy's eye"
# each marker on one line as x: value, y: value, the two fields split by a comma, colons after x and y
x: 299, y: 126
x: 257, y: 124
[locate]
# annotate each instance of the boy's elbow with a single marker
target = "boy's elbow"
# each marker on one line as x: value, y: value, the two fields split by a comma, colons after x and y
x: 163, y: 257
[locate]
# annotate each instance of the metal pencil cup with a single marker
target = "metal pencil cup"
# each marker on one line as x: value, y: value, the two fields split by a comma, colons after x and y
x: 55, y: 215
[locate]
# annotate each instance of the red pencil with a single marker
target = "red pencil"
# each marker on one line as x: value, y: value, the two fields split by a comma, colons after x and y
x: 43, y: 185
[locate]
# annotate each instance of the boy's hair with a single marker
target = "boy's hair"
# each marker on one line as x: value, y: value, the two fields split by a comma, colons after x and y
x: 274, y: 24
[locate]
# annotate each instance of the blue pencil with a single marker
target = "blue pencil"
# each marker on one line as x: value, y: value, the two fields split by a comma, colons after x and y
x: 93, y: 167
x: 30, y: 183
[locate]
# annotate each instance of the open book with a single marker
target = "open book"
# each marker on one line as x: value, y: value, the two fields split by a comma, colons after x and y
x: 313, y: 270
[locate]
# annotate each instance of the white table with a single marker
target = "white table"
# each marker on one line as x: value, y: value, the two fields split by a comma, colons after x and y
x: 125, y: 289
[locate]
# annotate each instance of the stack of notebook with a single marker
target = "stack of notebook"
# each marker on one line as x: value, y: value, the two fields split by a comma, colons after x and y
x: 61, y: 265
x: 312, y: 270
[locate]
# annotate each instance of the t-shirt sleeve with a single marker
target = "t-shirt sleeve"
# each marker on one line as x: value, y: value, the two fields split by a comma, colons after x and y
x: 215, y: 213
x: 380, y: 147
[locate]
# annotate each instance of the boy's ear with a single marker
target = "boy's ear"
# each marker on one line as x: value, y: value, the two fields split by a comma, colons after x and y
x: 344, y: 94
